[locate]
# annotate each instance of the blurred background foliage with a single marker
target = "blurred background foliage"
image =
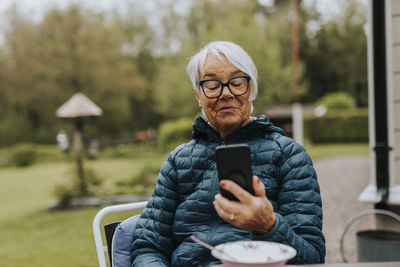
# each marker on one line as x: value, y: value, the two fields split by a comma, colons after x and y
x: 337, y: 101
x: 136, y: 71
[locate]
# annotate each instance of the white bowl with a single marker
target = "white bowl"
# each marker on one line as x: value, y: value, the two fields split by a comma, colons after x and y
x: 253, y: 253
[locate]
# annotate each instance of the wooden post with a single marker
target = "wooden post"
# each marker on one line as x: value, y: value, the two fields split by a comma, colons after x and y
x: 297, y: 113
x: 294, y: 32
x: 78, y: 148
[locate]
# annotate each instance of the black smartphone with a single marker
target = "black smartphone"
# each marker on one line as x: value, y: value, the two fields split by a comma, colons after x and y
x: 234, y: 163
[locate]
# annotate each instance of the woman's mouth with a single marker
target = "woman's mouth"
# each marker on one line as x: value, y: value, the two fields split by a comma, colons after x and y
x: 227, y: 108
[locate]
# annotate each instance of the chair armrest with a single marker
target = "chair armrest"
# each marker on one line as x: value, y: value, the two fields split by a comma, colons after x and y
x: 100, y: 248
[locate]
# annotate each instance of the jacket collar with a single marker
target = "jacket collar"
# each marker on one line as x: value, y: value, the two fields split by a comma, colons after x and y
x: 260, y: 125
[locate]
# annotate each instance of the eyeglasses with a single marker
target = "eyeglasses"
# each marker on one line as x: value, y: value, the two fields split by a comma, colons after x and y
x: 237, y: 86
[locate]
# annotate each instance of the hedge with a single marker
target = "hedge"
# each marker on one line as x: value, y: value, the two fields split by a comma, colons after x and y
x: 338, y: 127
x: 173, y: 133
x: 23, y: 155
x: 347, y: 126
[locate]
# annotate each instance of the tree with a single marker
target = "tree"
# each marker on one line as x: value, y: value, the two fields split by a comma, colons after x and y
x: 86, y: 52
x: 241, y: 22
x: 68, y: 51
x: 336, y: 57
x: 17, y: 81
x: 136, y: 72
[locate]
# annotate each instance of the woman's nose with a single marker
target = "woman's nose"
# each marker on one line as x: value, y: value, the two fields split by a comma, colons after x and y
x: 226, y: 92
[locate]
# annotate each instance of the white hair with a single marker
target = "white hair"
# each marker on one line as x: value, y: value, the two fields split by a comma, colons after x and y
x: 233, y: 53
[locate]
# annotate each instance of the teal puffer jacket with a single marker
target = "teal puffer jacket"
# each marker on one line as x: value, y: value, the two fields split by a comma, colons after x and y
x: 181, y: 204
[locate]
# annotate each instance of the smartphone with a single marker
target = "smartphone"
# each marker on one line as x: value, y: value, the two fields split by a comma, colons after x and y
x: 234, y: 163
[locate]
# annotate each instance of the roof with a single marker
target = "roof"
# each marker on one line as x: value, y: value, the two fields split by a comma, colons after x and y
x: 78, y: 106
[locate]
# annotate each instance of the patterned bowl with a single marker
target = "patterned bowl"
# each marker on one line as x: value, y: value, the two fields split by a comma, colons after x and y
x: 253, y: 253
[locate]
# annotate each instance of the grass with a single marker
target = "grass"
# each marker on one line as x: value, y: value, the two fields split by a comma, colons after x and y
x: 33, y: 236
x: 332, y: 150
x: 43, y: 238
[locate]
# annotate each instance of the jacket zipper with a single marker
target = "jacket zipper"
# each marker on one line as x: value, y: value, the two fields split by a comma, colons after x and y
x: 213, y: 213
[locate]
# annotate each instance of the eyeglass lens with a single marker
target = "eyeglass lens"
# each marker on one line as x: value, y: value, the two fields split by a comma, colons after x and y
x: 237, y: 85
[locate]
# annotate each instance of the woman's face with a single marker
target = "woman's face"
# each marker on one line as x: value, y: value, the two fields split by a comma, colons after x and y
x: 227, y: 112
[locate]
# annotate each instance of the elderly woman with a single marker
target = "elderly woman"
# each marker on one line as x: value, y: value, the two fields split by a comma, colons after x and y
x: 286, y: 206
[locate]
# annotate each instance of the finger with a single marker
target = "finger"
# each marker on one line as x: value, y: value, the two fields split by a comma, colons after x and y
x: 225, y: 215
x: 258, y: 186
x: 227, y: 205
x: 241, y: 194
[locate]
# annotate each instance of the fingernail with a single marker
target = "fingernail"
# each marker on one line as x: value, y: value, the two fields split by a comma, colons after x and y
x: 258, y: 180
x: 222, y: 184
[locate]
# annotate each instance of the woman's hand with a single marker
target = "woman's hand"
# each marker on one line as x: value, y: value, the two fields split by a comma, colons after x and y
x: 254, y: 213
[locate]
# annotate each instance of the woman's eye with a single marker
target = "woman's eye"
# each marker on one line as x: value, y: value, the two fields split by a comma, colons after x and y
x: 211, y: 85
x: 238, y: 82
x: 235, y: 83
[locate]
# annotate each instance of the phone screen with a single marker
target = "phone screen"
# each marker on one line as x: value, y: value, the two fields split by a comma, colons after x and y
x: 234, y: 163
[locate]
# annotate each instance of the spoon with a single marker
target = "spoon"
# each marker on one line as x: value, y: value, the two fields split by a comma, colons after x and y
x: 204, y: 244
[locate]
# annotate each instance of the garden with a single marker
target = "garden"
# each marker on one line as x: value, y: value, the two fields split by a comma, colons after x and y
x: 133, y: 68
x: 34, y: 235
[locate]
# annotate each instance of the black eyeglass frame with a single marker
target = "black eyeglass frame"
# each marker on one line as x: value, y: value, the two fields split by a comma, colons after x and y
x: 247, y: 77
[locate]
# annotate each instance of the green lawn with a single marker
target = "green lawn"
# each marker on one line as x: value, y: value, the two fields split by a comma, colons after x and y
x: 33, y: 236
x: 332, y: 150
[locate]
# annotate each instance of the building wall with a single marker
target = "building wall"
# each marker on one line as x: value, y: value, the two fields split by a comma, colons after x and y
x: 396, y: 84
x: 392, y: 24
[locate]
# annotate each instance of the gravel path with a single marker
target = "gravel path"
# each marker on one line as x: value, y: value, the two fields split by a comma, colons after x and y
x: 341, y: 181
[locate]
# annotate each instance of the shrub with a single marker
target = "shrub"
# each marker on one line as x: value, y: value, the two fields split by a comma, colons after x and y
x: 119, y: 151
x: 338, y: 127
x: 174, y: 133
x: 141, y: 182
x: 146, y: 175
x: 338, y: 100
x: 23, y: 155
x: 129, y: 151
x: 67, y: 191
x: 50, y: 153
x: 64, y: 194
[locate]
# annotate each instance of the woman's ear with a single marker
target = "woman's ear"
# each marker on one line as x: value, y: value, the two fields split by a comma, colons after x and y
x: 197, y: 97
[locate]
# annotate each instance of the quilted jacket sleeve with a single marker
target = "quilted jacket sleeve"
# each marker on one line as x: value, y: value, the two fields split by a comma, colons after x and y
x: 299, y: 209
x: 153, y: 243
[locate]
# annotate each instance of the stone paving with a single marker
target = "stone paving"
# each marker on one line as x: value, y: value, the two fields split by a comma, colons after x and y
x: 341, y: 181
